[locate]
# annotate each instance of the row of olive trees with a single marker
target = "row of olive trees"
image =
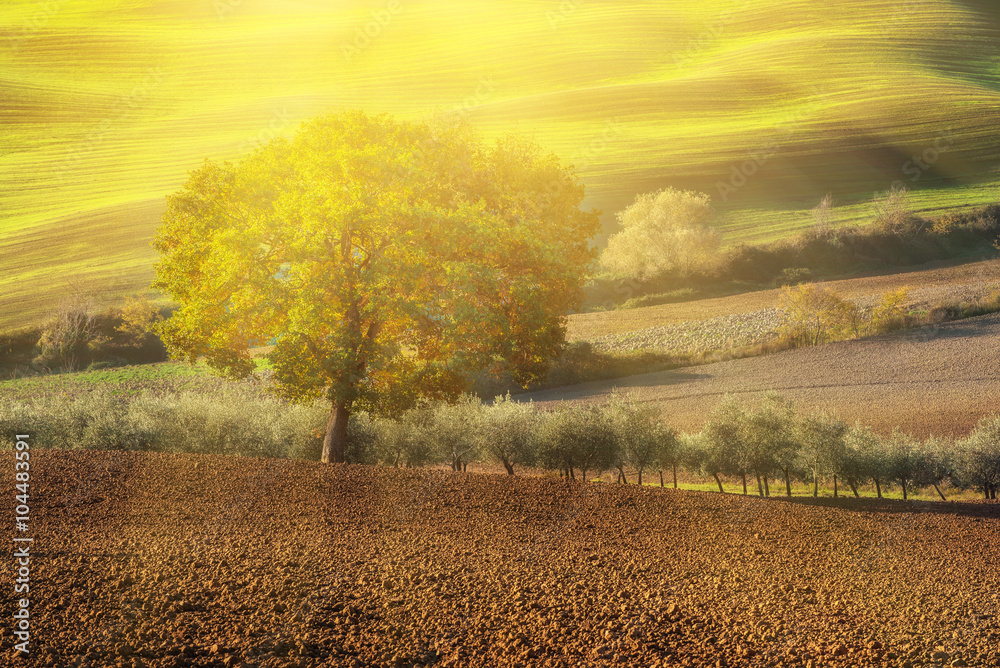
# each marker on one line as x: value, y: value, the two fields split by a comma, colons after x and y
x: 573, y: 439
x: 773, y: 442
x: 770, y: 442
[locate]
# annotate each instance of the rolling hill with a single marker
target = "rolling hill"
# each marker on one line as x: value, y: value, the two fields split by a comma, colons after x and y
x: 766, y: 105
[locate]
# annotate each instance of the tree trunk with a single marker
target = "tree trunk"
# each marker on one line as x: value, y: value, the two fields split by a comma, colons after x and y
x: 835, y: 485
x: 661, y: 479
x: 936, y: 489
x: 760, y: 488
x: 583, y: 475
x: 788, y: 484
x: 878, y: 488
x: 510, y: 467
x: 718, y: 482
x: 815, y: 484
x: 744, y: 484
x: 854, y: 488
x: 572, y: 473
x: 904, y: 490
x: 675, y: 475
x: 639, y: 482
x: 465, y: 466
x: 335, y: 441
x: 767, y: 487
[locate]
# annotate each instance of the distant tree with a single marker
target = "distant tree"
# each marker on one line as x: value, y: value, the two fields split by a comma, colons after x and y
x: 863, y: 459
x: 822, y: 436
x: 383, y: 270
x: 938, y: 463
x: 979, y: 458
x: 814, y: 313
x: 638, y: 432
x: 403, y: 441
x: 670, y: 451
x: 821, y: 214
x: 891, y: 210
x: 453, y: 429
x: 725, y: 451
x: 65, y: 340
x: 699, y: 456
x: 506, y: 433
x: 666, y: 231
x: 577, y: 437
x: 905, y: 463
x: 771, y: 429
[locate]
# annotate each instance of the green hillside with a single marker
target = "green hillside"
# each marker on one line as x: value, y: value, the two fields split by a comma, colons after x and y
x: 104, y: 107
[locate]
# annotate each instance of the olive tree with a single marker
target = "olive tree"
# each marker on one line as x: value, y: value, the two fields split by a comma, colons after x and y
x: 979, y: 458
x: 671, y: 451
x: 637, y: 431
x: 577, y: 437
x: 506, y: 433
x: 822, y: 437
x: 905, y: 462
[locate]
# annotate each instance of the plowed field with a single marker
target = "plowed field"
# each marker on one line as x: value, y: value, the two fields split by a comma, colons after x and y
x: 179, y: 560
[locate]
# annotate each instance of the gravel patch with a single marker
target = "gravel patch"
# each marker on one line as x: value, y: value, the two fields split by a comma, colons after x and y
x: 756, y: 327
x: 728, y: 331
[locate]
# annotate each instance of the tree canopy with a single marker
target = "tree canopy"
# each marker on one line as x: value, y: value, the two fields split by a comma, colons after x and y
x: 384, y: 260
x: 666, y: 231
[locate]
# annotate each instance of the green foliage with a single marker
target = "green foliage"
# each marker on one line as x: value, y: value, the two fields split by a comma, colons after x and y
x: 577, y: 437
x: 506, y: 431
x: 390, y: 260
x: 235, y: 421
x: 671, y: 297
x: 638, y: 432
x: 979, y: 457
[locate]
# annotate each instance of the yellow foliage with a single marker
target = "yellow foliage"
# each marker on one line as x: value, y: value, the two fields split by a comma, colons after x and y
x: 815, y: 313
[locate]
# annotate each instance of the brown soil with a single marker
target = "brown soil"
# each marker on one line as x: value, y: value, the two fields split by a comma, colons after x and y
x: 181, y: 560
x: 939, y: 379
x: 593, y: 325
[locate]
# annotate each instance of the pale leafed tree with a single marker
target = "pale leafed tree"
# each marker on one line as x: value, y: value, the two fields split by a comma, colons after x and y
x: 666, y: 231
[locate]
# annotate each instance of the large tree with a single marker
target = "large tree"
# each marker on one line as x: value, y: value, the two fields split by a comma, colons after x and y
x: 384, y: 261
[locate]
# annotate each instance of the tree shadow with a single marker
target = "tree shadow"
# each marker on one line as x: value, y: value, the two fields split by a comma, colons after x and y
x: 981, y: 509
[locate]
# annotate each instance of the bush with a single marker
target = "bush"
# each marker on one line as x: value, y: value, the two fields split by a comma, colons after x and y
x: 793, y: 276
x: 663, y: 232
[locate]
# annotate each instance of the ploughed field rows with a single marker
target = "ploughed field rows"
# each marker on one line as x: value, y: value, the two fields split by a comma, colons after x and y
x: 715, y: 321
x: 940, y: 379
x: 144, y: 559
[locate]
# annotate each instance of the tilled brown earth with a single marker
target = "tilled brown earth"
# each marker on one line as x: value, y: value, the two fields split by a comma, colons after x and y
x: 176, y: 560
x: 934, y: 380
